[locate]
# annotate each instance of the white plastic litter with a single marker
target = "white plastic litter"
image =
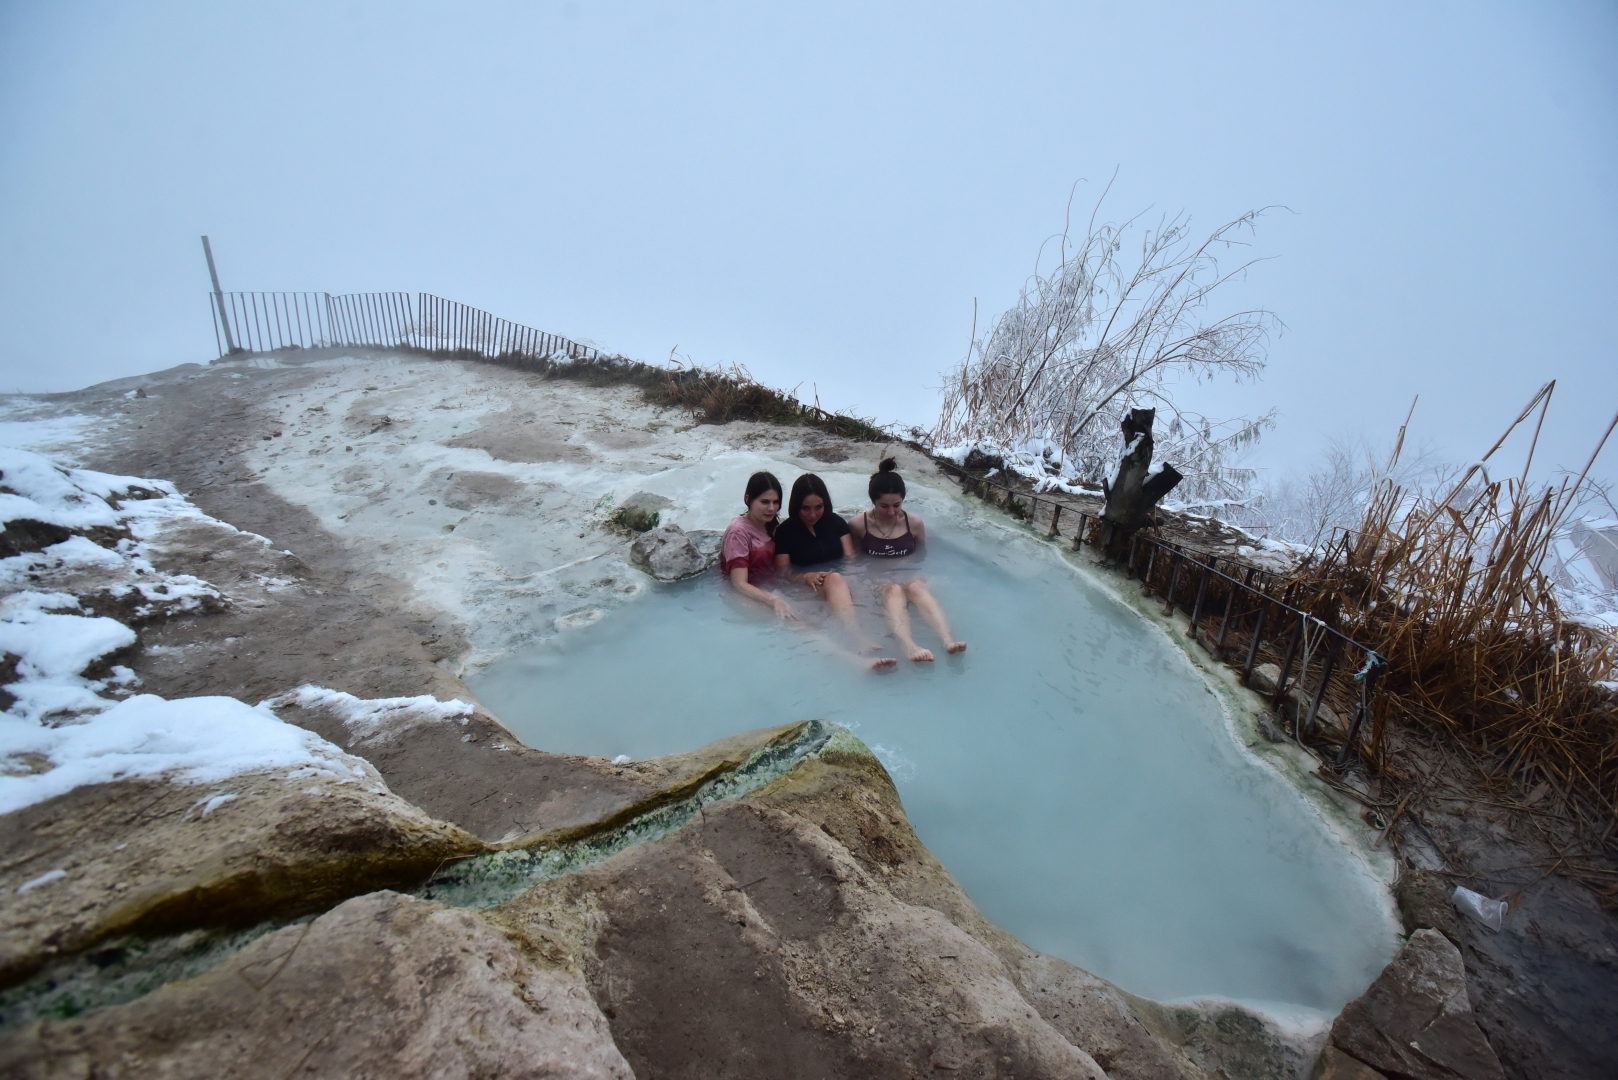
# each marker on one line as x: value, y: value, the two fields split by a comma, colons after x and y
x: 1491, y: 913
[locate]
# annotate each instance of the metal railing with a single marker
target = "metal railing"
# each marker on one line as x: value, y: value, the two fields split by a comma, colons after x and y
x: 1232, y: 616
x: 445, y: 324
x: 271, y: 321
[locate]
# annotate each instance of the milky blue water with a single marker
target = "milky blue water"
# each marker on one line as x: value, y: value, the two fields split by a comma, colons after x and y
x: 1071, y: 769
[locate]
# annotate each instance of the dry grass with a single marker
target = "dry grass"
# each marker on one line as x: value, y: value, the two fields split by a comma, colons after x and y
x: 710, y: 396
x: 1452, y: 589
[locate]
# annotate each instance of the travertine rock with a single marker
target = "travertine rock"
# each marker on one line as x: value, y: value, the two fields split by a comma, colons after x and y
x: 107, y: 859
x: 383, y: 986
x: 751, y: 944
x: 1415, y: 1020
x: 1336, y: 1065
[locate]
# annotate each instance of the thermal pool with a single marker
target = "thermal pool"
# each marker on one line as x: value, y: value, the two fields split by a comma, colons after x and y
x: 1073, y: 769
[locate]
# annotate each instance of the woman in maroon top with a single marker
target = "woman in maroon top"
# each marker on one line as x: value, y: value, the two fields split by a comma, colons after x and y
x: 888, y: 531
x: 747, y: 553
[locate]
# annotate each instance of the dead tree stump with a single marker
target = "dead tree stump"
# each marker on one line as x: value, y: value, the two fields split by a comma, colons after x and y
x: 1137, y: 488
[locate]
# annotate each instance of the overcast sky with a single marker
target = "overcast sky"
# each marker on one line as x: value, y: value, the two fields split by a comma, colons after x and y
x: 820, y: 191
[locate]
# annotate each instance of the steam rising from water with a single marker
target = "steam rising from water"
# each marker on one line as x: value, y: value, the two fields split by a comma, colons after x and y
x: 1071, y: 769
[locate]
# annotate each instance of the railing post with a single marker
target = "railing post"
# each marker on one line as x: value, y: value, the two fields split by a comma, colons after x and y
x: 1325, y: 677
x: 1174, y: 581
x: 1129, y: 566
x: 1258, y: 636
x: 1196, y: 607
x: 1367, y: 692
x: 1224, y: 621
x: 1151, y: 564
x: 1286, y: 665
x: 1084, y: 527
x: 1056, y: 519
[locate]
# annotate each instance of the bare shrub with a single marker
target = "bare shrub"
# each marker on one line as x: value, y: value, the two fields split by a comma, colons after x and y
x: 1103, y: 332
x: 1307, y: 509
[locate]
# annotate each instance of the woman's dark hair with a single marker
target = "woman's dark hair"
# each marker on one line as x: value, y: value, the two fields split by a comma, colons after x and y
x: 758, y: 484
x: 886, y: 481
x: 804, y: 486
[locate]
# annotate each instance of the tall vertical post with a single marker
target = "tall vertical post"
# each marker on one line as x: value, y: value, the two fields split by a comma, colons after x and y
x: 219, y: 298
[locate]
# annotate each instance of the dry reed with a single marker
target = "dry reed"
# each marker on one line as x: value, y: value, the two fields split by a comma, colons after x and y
x: 1452, y: 589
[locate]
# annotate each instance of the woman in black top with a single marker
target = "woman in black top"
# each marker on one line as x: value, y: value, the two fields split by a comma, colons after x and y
x: 808, y: 542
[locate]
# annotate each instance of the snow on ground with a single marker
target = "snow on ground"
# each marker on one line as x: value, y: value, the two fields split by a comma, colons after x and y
x: 27, y: 424
x: 202, y: 740
x: 486, y: 490
x: 65, y: 724
x: 376, y: 719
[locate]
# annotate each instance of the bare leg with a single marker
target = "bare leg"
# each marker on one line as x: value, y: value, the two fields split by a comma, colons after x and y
x: 842, y: 606
x: 919, y: 595
x: 896, y: 605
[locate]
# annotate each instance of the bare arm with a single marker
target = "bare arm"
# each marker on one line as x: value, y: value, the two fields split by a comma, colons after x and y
x: 738, y: 578
x: 918, y: 529
x: 857, y: 525
x: 848, y: 545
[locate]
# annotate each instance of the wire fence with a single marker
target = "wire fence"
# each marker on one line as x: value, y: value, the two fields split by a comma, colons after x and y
x: 261, y: 322
x: 1323, y: 685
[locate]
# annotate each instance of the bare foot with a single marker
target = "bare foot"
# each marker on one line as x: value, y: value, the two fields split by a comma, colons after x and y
x: 882, y: 663
x: 921, y: 655
x: 955, y: 647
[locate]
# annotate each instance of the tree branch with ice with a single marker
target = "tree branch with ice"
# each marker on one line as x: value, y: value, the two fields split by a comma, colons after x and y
x: 1049, y: 388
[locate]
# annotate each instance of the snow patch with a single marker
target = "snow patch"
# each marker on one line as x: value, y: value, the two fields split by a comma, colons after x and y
x: 44, y: 879
x: 201, y: 740
x: 209, y: 803
x: 52, y: 651
x: 374, y: 717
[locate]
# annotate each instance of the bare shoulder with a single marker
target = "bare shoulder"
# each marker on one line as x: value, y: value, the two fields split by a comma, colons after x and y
x: 918, y: 527
x: 856, y: 524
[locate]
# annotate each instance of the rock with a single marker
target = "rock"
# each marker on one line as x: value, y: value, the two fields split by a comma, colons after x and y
x: 1091, y: 1013
x: 149, y: 855
x: 382, y: 985
x: 1336, y: 1065
x: 1264, y: 678
x: 667, y: 554
x: 1415, y: 1021
x: 640, y: 512
x: 480, y: 776
x: 645, y: 500
x: 707, y: 541
x: 1267, y: 728
x: 1222, y: 1038
x: 751, y: 944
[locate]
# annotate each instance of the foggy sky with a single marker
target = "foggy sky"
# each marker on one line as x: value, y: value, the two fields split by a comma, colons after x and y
x: 819, y: 192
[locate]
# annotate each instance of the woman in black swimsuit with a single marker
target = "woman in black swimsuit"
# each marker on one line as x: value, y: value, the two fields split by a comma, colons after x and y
x: 810, y: 545
x: 888, y: 531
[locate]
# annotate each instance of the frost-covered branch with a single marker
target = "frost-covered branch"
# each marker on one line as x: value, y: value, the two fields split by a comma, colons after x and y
x: 1101, y: 333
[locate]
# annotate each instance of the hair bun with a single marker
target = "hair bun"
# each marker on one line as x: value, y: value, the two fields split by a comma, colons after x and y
x: 887, y: 464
